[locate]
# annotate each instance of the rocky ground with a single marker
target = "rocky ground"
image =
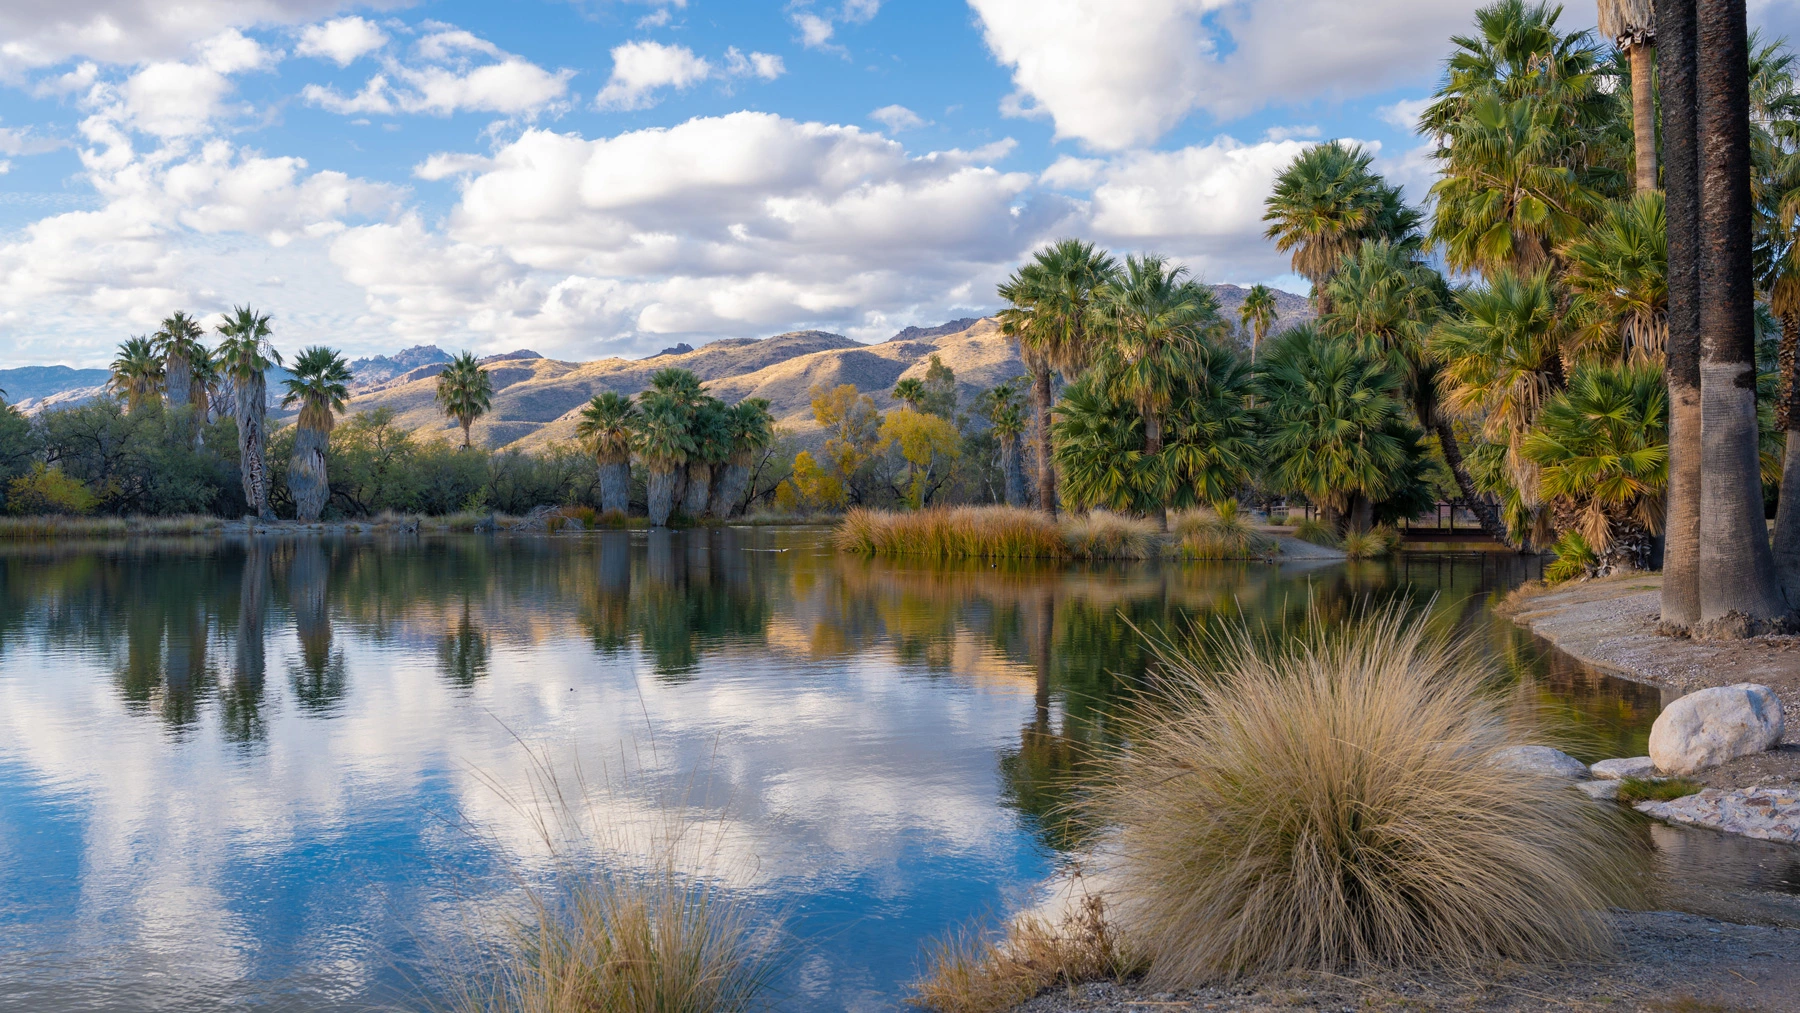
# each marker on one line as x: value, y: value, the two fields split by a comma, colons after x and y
x: 1666, y: 962
x: 1611, y: 624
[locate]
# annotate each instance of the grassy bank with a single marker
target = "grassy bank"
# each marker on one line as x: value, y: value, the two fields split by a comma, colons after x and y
x: 1330, y: 803
x: 568, y: 519
x: 992, y: 532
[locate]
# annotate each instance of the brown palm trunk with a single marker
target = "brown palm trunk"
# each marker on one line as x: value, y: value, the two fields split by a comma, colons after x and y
x: 1643, y: 110
x: 1477, y: 504
x: 1738, y: 587
x: 1041, y: 393
x: 1681, y: 178
x: 1153, y: 444
x: 466, y: 423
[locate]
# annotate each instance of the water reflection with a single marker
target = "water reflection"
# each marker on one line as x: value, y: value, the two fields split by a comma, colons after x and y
x: 893, y: 742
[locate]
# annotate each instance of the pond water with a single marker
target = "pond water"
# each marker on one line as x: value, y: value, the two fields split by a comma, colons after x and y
x: 274, y: 774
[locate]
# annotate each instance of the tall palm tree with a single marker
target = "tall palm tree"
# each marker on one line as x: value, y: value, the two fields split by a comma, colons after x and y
x: 1676, y: 62
x: 1618, y: 275
x: 910, y: 392
x: 1006, y: 413
x: 245, y: 355
x: 137, y: 372
x: 1049, y: 315
x: 751, y: 428
x: 709, y: 426
x: 178, y: 342
x: 661, y: 441
x: 1737, y: 567
x: 1384, y: 297
x: 465, y: 391
x: 320, y: 387
x: 1257, y: 315
x: 1153, y: 319
x: 606, y: 425
x: 1631, y: 24
x: 1325, y: 203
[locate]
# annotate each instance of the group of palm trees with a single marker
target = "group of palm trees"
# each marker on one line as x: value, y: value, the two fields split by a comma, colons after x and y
x: 1557, y: 375
x: 696, y: 449
x: 174, y: 369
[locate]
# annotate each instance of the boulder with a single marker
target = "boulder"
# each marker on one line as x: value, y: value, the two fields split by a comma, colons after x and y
x: 1600, y: 791
x: 1543, y: 761
x: 1715, y: 726
x: 1630, y: 766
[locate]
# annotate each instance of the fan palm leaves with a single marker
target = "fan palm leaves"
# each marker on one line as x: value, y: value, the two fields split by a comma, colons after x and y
x: 1326, y: 202
x: 1005, y: 408
x: 320, y: 389
x: 244, y: 356
x: 1518, y: 51
x: 137, y: 372
x: 1154, y: 320
x: 465, y: 391
x: 606, y: 427
x: 750, y: 428
x: 178, y: 343
x: 661, y: 440
x: 1602, y: 451
x: 910, y: 391
x: 1618, y: 273
x: 1257, y: 315
x: 1049, y: 315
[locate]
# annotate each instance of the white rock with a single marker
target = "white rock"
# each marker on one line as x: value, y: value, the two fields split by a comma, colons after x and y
x: 1630, y: 766
x: 1771, y: 814
x: 1600, y: 791
x: 1715, y: 726
x: 1541, y: 760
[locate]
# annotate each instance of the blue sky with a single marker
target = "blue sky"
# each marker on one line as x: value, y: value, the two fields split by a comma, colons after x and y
x: 599, y: 177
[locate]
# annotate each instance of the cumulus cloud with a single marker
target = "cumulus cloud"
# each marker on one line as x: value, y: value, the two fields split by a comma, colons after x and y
x: 15, y: 141
x: 1405, y: 113
x: 341, y: 40
x: 445, y: 78
x: 897, y: 118
x: 133, y: 31
x: 640, y: 69
x: 1124, y: 73
x: 767, y: 66
x: 818, y: 25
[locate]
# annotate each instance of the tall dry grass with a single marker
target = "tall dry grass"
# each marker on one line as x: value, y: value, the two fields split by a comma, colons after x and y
x: 952, y: 533
x: 1101, y: 534
x: 654, y: 934
x: 973, y: 972
x: 1221, y: 533
x: 41, y: 527
x: 1330, y: 801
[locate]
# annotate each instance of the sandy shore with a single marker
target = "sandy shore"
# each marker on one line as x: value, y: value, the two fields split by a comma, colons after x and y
x: 1611, y: 624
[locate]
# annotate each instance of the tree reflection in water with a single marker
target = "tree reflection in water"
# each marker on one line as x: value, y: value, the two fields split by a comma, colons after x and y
x: 318, y: 675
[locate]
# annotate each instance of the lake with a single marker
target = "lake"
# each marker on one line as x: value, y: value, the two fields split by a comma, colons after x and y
x: 281, y: 774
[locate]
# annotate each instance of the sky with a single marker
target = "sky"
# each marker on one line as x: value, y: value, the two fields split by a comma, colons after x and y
x: 587, y: 178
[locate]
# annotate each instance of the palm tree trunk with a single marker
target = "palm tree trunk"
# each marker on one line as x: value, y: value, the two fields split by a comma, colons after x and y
x: 178, y: 380
x: 1012, y: 468
x: 1153, y: 444
x: 1787, y: 511
x: 699, y: 489
x: 252, y: 426
x: 1643, y: 111
x: 728, y: 485
x: 1046, y: 484
x: 1477, y: 504
x: 661, y: 491
x: 1737, y: 568
x: 1681, y: 177
x: 615, y: 486
x: 306, y: 474
x: 466, y: 423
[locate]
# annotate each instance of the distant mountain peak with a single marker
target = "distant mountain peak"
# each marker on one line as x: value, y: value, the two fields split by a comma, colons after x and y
x: 382, y: 368
x: 921, y: 333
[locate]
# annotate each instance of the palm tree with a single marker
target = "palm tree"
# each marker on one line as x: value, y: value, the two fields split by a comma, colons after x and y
x: 246, y: 355
x: 320, y: 387
x: 465, y: 391
x: 1619, y: 277
x: 911, y: 392
x: 137, y: 372
x: 1603, y: 457
x: 1006, y: 414
x: 750, y: 428
x: 1048, y: 314
x: 1325, y: 203
x: 178, y: 342
x: 1519, y: 51
x: 1335, y: 424
x: 1384, y: 297
x: 1676, y: 67
x: 1257, y: 315
x: 661, y: 441
x: 1737, y: 568
x: 1154, y: 320
x: 606, y: 427
x: 1099, y: 448
x: 1631, y: 24
x: 709, y: 426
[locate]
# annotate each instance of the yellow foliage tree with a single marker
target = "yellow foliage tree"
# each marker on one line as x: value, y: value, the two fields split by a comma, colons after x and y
x: 810, y: 487
x: 929, y: 443
x: 856, y: 434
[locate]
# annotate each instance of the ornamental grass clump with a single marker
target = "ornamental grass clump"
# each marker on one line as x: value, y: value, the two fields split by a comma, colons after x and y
x: 1316, y: 531
x: 952, y: 533
x: 1330, y: 802
x: 1106, y: 535
x: 1221, y: 534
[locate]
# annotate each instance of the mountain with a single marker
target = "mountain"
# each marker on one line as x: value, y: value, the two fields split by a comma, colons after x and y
x: 1290, y: 309
x: 382, y: 368
x: 29, y: 383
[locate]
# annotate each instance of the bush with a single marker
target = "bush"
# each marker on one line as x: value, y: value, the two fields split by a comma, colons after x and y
x: 1575, y: 559
x: 1105, y: 535
x: 45, y: 490
x: 1331, y: 802
x: 952, y: 533
x: 1378, y: 543
x: 973, y: 973
x: 1223, y: 534
x: 1316, y: 531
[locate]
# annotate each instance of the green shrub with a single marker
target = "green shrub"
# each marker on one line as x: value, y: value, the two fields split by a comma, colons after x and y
x: 1575, y: 559
x: 1316, y: 531
x: 44, y: 490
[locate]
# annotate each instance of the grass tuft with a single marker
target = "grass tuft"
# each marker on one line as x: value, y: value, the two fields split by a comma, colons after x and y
x: 972, y: 972
x: 1105, y: 535
x: 1633, y: 790
x: 1329, y: 802
x: 952, y: 533
x: 1311, y: 529
x: 1223, y: 534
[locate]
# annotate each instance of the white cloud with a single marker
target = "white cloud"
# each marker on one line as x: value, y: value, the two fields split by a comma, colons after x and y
x: 232, y: 52
x: 341, y: 40
x: 897, y: 118
x: 78, y: 80
x: 43, y: 34
x: 640, y: 69
x: 446, y: 79
x: 445, y: 164
x: 174, y: 99
x: 817, y: 27
x: 1405, y: 113
x: 1308, y: 131
x: 15, y: 141
x: 1124, y: 73
x: 767, y: 66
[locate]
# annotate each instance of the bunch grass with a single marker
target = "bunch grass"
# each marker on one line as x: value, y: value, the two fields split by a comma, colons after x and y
x: 1316, y: 531
x: 974, y: 972
x: 1329, y: 801
x: 1102, y: 534
x: 952, y: 533
x: 1222, y: 533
